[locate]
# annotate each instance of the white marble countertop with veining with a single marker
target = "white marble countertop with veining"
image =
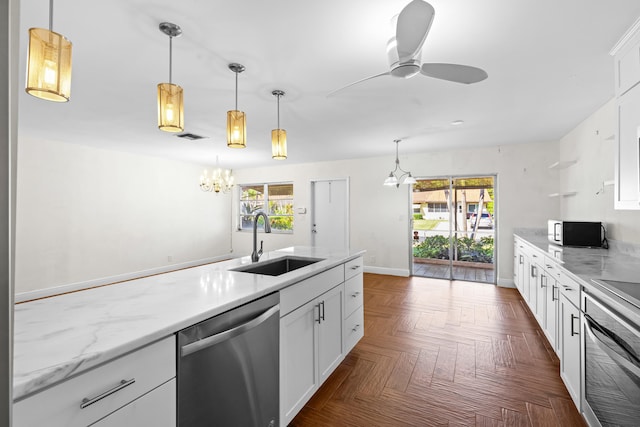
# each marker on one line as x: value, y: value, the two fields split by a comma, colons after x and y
x: 586, y: 264
x: 58, y: 337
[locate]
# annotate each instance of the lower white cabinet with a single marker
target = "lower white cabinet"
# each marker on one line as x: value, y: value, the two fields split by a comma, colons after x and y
x: 551, y: 298
x: 100, y: 393
x: 310, y: 349
x: 148, y: 410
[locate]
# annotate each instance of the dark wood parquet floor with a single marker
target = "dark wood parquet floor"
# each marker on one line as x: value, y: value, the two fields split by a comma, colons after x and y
x: 440, y: 353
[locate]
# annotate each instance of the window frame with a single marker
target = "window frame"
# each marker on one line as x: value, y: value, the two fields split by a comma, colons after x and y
x: 265, y: 206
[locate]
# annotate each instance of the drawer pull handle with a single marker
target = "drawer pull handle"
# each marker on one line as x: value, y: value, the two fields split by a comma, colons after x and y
x: 355, y: 294
x: 123, y: 383
x: 355, y: 328
x: 355, y: 267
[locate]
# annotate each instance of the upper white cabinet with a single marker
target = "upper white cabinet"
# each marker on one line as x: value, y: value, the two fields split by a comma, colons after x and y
x: 627, y: 154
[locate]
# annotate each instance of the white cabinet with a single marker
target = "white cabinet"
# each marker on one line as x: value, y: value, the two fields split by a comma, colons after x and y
x: 311, y: 348
x: 551, y: 299
x: 149, y: 410
x: 311, y: 334
x: 353, y: 304
x: 627, y: 154
x: 101, y: 392
x: 569, y: 330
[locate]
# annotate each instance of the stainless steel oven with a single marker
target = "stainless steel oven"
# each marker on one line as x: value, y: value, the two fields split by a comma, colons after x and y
x: 611, y: 384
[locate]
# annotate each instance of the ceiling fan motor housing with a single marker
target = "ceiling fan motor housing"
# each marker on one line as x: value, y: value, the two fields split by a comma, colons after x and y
x: 406, y: 69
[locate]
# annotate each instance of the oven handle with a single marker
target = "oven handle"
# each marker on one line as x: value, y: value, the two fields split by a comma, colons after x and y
x: 621, y: 361
x: 229, y: 333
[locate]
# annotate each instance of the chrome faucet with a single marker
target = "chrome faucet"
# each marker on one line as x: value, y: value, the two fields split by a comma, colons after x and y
x: 255, y: 255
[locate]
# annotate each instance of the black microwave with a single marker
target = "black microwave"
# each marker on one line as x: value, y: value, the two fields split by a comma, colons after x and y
x: 575, y: 233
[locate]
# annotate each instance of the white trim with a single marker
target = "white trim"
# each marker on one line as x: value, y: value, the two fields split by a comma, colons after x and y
x: 57, y: 290
x: 506, y: 283
x: 628, y: 35
x: 386, y: 271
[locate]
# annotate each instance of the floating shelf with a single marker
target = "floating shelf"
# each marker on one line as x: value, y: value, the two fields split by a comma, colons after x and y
x: 563, y: 165
x: 565, y: 194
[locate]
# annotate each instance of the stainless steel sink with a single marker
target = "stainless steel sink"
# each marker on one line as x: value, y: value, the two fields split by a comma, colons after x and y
x: 278, y: 266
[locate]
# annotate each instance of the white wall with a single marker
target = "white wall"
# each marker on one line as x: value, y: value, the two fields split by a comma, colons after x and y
x: 86, y: 214
x: 380, y: 215
x: 592, y: 144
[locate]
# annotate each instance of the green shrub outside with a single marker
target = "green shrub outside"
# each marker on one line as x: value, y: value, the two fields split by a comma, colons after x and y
x: 437, y: 247
x: 417, y: 216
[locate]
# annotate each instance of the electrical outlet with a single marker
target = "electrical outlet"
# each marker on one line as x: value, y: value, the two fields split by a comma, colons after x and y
x: 169, y: 258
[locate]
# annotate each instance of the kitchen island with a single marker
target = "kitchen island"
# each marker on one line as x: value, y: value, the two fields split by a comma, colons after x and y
x: 60, y: 337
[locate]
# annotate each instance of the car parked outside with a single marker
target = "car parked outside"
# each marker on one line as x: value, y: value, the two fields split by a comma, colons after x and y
x: 486, y: 220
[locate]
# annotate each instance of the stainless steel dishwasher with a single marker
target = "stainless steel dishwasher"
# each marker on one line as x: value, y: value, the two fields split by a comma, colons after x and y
x: 228, y: 368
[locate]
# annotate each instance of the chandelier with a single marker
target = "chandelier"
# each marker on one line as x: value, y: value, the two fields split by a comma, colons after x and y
x: 221, y: 180
x: 395, y: 179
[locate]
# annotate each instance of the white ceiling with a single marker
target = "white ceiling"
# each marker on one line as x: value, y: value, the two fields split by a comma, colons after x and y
x: 548, y: 64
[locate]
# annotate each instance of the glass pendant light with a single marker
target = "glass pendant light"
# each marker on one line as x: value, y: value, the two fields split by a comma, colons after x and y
x: 236, y: 120
x: 49, y: 63
x: 278, y: 136
x: 394, y: 178
x: 170, y: 96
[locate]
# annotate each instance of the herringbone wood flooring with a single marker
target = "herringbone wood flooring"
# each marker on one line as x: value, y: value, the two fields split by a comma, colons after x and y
x: 440, y: 353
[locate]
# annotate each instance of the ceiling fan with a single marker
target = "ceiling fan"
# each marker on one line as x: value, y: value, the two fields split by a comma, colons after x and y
x: 404, y: 50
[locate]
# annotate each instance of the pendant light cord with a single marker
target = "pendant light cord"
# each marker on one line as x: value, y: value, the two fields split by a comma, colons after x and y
x: 278, y: 96
x: 50, y: 15
x: 170, y: 56
x: 236, y: 91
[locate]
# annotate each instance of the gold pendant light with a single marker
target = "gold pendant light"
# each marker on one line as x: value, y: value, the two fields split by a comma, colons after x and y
x: 278, y: 136
x: 49, y: 63
x: 170, y: 96
x: 236, y: 120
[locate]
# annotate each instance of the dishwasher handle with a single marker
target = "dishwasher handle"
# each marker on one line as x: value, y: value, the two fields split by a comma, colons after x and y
x: 203, y: 343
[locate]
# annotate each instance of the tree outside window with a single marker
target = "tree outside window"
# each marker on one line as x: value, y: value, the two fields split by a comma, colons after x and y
x: 276, y: 200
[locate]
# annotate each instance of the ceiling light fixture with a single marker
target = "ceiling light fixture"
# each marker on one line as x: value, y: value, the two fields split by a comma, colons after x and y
x: 236, y: 120
x: 220, y: 180
x: 49, y: 63
x: 278, y: 136
x: 170, y: 96
x: 394, y: 178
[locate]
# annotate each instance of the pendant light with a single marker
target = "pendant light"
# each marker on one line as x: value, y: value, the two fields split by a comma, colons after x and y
x: 170, y: 96
x: 236, y: 120
x: 394, y: 178
x: 278, y: 136
x: 49, y: 63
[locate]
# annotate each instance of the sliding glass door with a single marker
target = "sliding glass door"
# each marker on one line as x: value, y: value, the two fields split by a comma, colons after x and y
x: 454, y: 225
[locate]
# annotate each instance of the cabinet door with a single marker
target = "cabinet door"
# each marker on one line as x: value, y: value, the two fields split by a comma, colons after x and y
x: 551, y: 311
x: 541, y: 296
x: 570, y: 348
x: 518, y: 267
x: 627, y: 186
x: 330, y: 331
x: 156, y: 408
x: 533, y: 287
x: 298, y: 352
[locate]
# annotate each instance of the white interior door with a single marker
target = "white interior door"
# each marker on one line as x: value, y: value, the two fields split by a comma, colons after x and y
x: 330, y: 213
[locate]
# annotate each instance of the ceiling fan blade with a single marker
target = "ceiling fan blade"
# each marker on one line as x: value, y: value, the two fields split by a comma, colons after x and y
x: 359, y: 81
x: 454, y: 73
x: 412, y: 28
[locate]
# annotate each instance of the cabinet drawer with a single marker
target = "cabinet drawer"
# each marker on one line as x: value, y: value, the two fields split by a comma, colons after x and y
x: 569, y: 287
x: 352, y: 294
x: 300, y: 293
x: 353, y: 267
x: 353, y: 329
x: 59, y: 405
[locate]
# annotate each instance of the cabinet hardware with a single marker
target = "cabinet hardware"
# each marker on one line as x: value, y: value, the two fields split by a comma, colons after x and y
x: 553, y: 293
x: 521, y: 259
x: 319, y: 319
x: 572, y: 323
x: 90, y: 401
x: 355, y: 294
x: 355, y: 267
x: 322, y: 305
x: 534, y: 271
x: 543, y: 281
x: 355, y: 328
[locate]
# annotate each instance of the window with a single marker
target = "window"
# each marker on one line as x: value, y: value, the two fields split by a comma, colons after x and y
x: 438, y: 207
x: 276, y: 200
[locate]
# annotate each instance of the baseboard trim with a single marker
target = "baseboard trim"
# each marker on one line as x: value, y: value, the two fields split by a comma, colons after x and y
x: 78, y: 286
x: 506, y: 283
x: 388, y: 271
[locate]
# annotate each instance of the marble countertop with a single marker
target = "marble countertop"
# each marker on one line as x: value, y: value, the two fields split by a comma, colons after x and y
x: 586, y: 264
x: 58, y: 337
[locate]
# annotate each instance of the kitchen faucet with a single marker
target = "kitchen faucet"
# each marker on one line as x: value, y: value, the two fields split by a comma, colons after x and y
x: 255, y: 255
